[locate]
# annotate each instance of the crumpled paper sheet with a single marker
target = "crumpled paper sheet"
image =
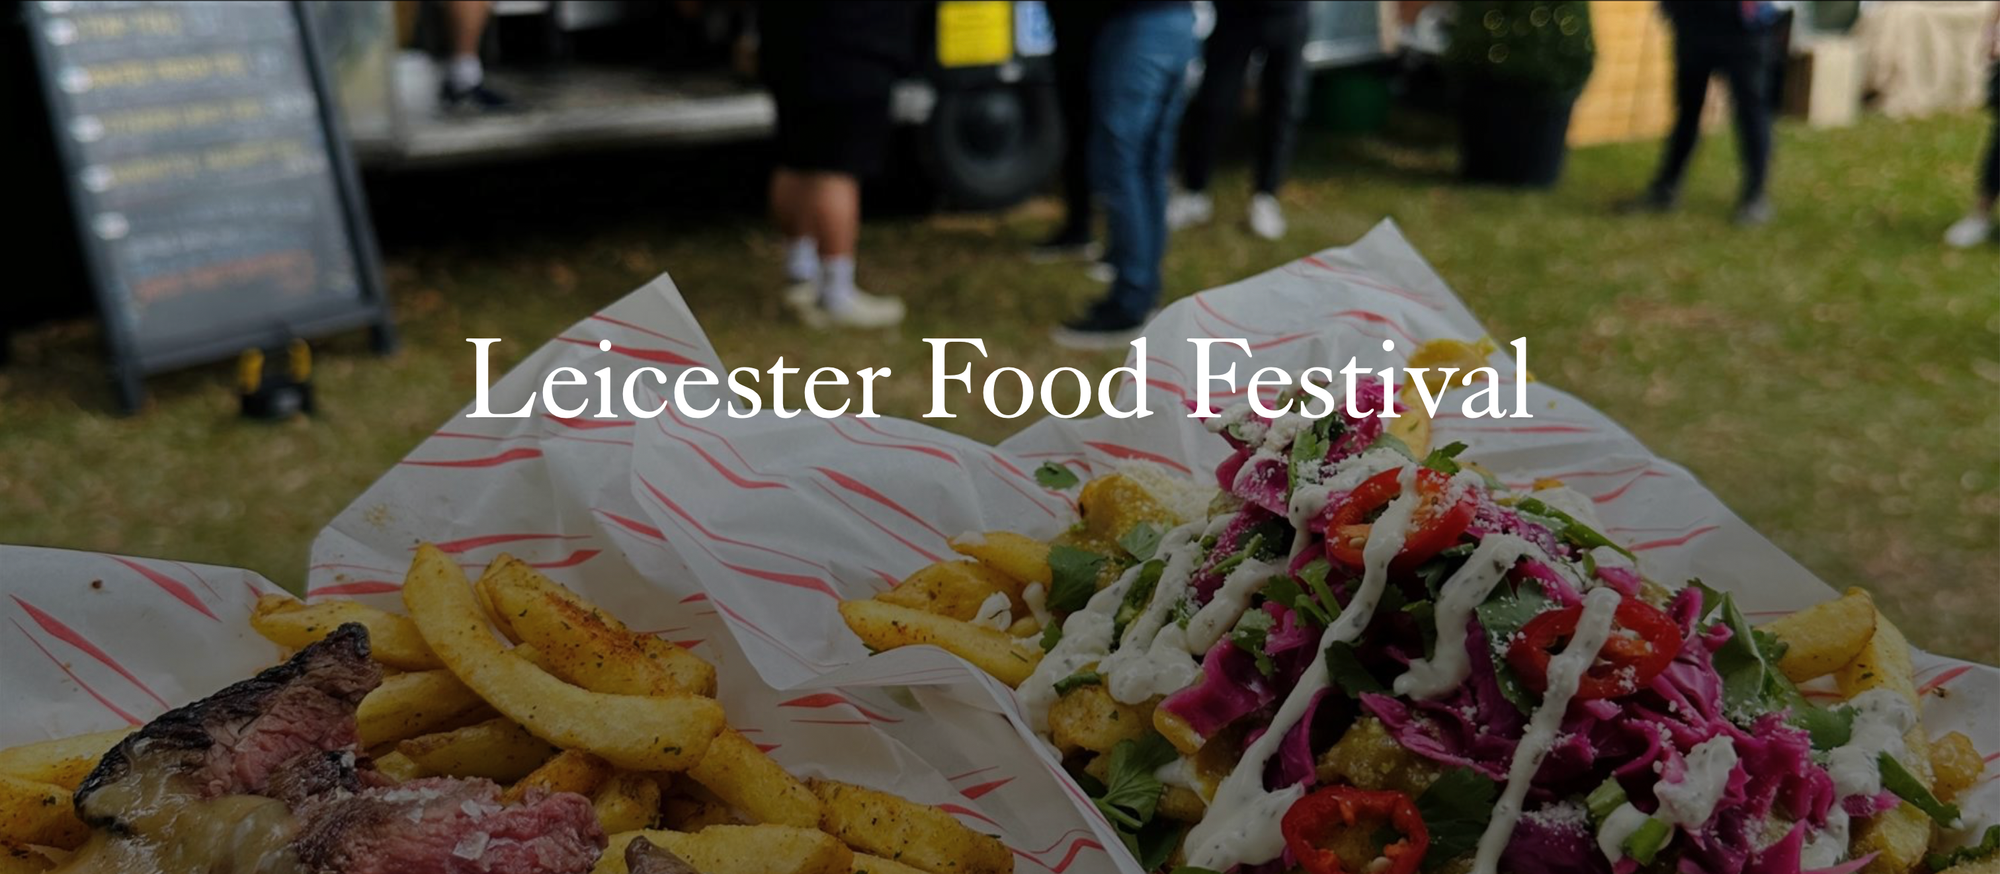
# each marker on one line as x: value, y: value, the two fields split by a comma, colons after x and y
x: 737, y: 538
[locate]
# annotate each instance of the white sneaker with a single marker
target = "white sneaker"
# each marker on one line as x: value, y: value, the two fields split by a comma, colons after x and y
x: 1189, y: 208
x: 1969, y: 231
x: 1267, y: 219
x: 1101, y: 272
x: 863, y: 310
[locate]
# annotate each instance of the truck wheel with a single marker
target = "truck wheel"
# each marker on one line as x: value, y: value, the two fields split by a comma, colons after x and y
x: 991, y: 147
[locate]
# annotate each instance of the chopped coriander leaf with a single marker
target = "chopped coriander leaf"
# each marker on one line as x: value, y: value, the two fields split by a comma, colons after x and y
x: 1154, y: 843
x: 1309, y: 449
x: 1347, y: 672
x: 1051, y: 634
x: 1456, y: 810
x: 1571, y: 530
x: 1080, y: 678
x: 1055, y: 476
x: 1223, y: 567
x: 1138, y: 596
x: 1710, y: 597
x: 1250, y: 634
x: 1829, y: 727
x: 1142, y: 541
x: 1322, y: 597
x: 1751, y: 683
x: 1502, y: 615
x: 1131, y: 790
x: 1391, y: 441
x: 1899, y: 780
x: 1072, y: 577
x: 1438, y: 568
x: 1183, y: 611
x: 1989, y: 845
x: 1444, y: 458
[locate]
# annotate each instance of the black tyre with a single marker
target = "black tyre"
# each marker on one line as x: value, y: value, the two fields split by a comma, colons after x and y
x: 991, y: 147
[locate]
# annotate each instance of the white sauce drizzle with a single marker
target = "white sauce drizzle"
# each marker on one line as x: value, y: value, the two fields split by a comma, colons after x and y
x: 1881, y: 718
x: 1460, y: 595
x: 1231, y: 599
x: 1036, y: 596
x: 1152, y: 658
x: 1565, y: 673
x: 1690, y: 801
x: 1828, y: 846
x: 1242, y: 826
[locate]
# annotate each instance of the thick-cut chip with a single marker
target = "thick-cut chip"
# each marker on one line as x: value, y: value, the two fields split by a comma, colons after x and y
x: 63, y: 762
x: 1956, y: 763
x: 1821, y: 638
x: 916, y: 834
x: 1899, y: 837
x: 497, y: 749
x: 1883, y: 663
x: 1113, y: 504
x: 687, y: 814
x: 1088, y: 718
x: 568, y: 771
x: 740, y: 849
x: 392, y: 640
x: 627, y: 802
x: 954, y: 588
x: 632, y: 732
x: 399, y: 767
x: 39, y: 813
x: 584, y: 644
x: 742, y: 775
x: 888, y: 626
x: 1988, y: 865
x: 419, y: 702
x: 1017, y: 555
x: 16, y: 859
x: 866, y: 864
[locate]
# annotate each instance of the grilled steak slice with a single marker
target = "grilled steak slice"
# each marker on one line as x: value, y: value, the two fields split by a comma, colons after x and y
x: 643, y: 857
x: 445, y: 826
x: 233, y: 742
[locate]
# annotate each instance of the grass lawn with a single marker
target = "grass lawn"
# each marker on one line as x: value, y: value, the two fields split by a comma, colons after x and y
x: 1835, y: 377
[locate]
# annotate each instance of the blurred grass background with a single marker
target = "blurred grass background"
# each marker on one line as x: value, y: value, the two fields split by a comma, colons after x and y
x: 1835, y: 376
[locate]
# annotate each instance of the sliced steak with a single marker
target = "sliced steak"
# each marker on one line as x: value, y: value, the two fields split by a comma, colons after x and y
x: 644, y: 857
x: 232, y: 742
x: 445, y: 826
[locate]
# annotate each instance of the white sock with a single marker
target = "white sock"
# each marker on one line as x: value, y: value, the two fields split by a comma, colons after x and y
x: 802, y: 259
x: 836, y: 281
x: 465, y: 72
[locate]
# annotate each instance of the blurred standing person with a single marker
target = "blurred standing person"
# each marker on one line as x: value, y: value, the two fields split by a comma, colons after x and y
x: 830, y: 67
x: 464, y: 86
x: 1076, y: 23
x: 1977, y: 226
x: 1733, y: 39
x: 1277, y: 30
x: 1138, y: 80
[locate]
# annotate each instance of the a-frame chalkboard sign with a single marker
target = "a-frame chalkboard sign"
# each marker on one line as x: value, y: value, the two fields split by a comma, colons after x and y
x: 216, y: 205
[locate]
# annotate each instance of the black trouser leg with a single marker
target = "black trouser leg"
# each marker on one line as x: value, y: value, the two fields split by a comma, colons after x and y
x: 1281, y: 96
x: 1691, y: 73
x: 1072, y: 67
x: 1989, y: 178
x: 1749, y: 91
x: 1214, y: 107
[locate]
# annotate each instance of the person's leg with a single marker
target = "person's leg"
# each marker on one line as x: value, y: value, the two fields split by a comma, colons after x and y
x: 1225, y: 60
x: 1977, y: 226
x: 788, y: 195
x: 1282, y: 95
x: 1072, y: 67
x: 832, y: 208
x: 1141, y: 60
x: 1691, y: 74
x: 464, y: 75
x: 1749, y: 96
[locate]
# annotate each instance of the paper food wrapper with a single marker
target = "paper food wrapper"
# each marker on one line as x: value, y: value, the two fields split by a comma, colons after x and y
x: 737, y: 538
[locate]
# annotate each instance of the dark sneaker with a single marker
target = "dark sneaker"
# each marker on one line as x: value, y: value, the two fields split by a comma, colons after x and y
x: 475, y: 99
x: 1753, y: 213
x: 1067, y: 245
x: 1097, y: 331
x: 1654, y: 200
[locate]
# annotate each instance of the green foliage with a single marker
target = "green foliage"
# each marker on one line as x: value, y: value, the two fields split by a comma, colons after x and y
x: 1535, y: 45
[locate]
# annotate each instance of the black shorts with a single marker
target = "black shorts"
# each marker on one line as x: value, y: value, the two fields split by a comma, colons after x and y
x: 846, y: 134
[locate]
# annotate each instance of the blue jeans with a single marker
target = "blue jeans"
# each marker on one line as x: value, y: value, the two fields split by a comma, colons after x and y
x: 1138, y: 77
